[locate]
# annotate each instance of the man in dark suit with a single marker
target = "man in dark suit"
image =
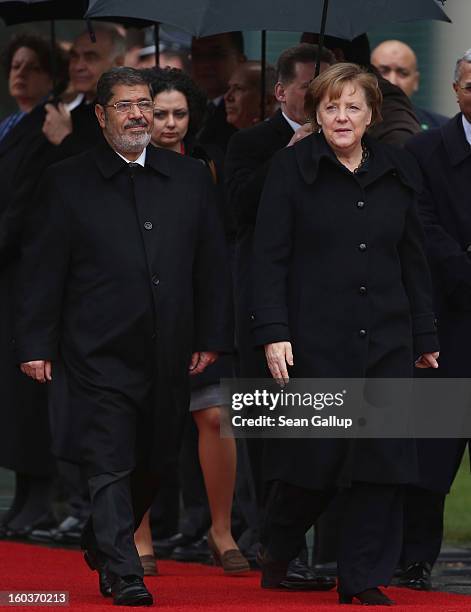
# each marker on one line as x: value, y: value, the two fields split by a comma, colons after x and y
x: 397, y: 62
x: 248, y: 158
x: 124, y: 289
x: 214, y: 60
x: 69, y: 129
x: 444, y: 156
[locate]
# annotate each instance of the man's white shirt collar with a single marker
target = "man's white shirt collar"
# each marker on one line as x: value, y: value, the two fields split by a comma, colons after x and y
x: 467, y: 128
x: 292, y: 123
x: 141, y: 160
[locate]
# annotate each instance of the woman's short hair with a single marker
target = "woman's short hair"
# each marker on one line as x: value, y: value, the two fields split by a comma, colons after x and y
x: 331, y: 83
x: 173, y: 79
x: 42, y: 47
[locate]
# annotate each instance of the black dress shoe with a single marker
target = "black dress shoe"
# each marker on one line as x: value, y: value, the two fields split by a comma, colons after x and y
x: 273, y: 572
x: 94, y: 562
x: 274, y: 575
x: 46, y: 522
x: 163, y: 548
x: 197, y: 552
x: 417, y: 576
x: 369, y: 597
x: 298, y: 573
x: 130, y: 591
x: 69, y: 531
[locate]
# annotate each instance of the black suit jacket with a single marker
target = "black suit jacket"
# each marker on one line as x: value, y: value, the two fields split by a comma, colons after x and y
x: 216, y: 130
x: 428, y: 119
x: 247, y: 161
x: 444, y: 156
x: 24, y: 434
x: 122, y: 278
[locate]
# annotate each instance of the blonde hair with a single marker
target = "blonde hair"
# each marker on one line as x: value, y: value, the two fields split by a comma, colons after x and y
x: 331, y: 83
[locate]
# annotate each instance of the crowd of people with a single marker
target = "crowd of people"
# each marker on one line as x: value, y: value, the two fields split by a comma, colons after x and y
x: 163, y: 228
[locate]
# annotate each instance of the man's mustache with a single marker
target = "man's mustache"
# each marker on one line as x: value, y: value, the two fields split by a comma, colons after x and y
x: 136, y: 123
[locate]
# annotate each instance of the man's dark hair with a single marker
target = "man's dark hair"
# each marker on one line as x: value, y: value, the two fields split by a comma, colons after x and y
x: 304, y: 53
x: 237, y: 40
x: 356, y: 51
x: 172, y: 79
x: 122, y: 75
x: 42, y: 48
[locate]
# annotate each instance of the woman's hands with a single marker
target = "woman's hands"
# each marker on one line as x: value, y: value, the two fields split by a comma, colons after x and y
x: 427, y: 360
x: 279, y: 355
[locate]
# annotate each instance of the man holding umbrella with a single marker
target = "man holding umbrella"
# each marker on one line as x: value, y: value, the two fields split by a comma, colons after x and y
x: 124, y: 288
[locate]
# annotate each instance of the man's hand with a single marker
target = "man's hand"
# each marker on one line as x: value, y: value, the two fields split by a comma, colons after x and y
x: 301, y: 132
x: 279, y: 354
x: 57, y: 124
x: 37, y: 370
x: 427, y: 360
x: 200, y: 361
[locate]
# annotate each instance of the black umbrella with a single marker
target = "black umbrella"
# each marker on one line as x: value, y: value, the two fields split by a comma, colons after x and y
x: 344, y: 19
x: 23, y: 11
x: 14, y: 12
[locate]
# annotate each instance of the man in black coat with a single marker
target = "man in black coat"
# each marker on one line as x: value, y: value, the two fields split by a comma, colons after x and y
x: 124, y: 289
x: 397, y: 63
x: 444, y: 156
x: 214, y: 59
x: 247, y: 161
x: 57, y: 132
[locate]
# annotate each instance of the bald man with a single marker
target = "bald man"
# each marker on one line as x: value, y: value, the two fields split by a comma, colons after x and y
x: 397, y: 63
x: 243, y: 99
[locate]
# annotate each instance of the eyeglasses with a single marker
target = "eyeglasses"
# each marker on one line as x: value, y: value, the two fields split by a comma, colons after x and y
x: 145, y: 106
x: 466, y: 88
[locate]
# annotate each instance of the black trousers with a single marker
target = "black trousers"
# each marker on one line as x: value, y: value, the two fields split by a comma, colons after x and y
x: 119, y: 500
x: 423, y: 525
x: 370, y: 532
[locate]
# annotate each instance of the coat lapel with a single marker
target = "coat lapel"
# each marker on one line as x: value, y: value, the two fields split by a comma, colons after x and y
x: 27, y: 126
x: 454, y: 139
x: 312, y: 149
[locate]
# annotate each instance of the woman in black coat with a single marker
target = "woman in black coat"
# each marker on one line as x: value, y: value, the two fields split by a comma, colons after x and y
x: 24, y: 431
x: 341, y: 290
x: 179, y: 107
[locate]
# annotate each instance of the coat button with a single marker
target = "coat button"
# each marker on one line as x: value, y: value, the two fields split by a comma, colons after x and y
x: 362, y: 246
x: 360, y: 204
x: 155, y: 280
x: 148, y: 225
x: 363, y: 290
x: 362, y: 333
x: 468, y: 248
x: 252, y: 317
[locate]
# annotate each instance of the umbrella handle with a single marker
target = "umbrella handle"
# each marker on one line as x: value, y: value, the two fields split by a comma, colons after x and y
x: 325, y: 10
x: 263, y: 81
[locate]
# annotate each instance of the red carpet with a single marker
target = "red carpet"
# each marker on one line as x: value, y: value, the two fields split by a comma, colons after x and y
x: 185, y: 587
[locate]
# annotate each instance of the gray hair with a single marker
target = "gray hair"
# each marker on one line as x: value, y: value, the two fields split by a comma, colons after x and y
x: 118, y: 42
x: 466, y: 57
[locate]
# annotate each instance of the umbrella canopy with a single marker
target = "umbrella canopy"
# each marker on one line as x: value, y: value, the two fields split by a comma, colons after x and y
x: 22, y: 11
x: 345, y: 19
x: 14, y: 12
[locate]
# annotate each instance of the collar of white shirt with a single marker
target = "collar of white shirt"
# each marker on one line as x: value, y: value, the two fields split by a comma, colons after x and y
x: 141, y: 160
x: 292, y: 123
x: 467, y: 128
